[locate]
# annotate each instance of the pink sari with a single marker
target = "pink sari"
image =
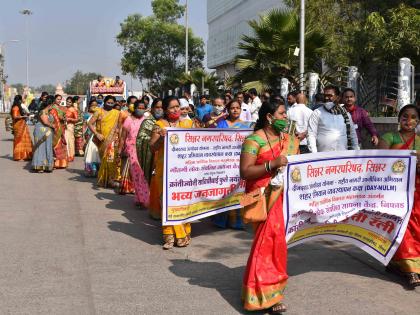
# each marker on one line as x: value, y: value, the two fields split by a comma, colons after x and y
x: 131, y: 126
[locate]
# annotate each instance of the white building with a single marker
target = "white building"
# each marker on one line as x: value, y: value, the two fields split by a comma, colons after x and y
x: 228, y: 21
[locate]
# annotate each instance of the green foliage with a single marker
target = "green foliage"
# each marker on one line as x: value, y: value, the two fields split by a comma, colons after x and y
x: 268, y: 54
x: 154, y: 46
x: 198, y: 77
x: 345, y: 23
x: 393, y: 35
x: 79, y: 82
x: 49, y: 88
x: 167, y: 10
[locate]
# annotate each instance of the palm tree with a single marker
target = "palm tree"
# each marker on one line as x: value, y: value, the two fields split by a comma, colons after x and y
x: 269, y: 54
x: 198, y: 77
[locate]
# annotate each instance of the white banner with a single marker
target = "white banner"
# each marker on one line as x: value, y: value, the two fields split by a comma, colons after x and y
x: 361, y: 197
x: 201, y: 173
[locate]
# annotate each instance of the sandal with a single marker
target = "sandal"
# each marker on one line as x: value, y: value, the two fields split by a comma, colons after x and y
x: 278, y: 308
x: 169, y: 241
x: 183, y: 242
x: 413, y: 279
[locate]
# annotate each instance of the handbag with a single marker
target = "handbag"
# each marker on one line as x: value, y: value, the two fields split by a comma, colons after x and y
x: 254, y: 206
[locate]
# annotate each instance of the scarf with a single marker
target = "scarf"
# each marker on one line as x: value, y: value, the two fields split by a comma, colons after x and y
x: 338, y: 110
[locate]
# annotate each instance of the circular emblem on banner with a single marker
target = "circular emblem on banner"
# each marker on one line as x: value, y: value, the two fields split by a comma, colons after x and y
x: 174, y: 139
x: 296, y: 176
x: 398, y: 167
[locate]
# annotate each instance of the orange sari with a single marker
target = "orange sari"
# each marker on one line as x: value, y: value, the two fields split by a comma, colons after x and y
x: 266, y: 271
x: 22, y: 142
x: 59, y: 141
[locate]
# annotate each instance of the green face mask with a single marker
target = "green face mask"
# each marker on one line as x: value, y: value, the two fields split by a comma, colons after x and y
x: 279, y: 125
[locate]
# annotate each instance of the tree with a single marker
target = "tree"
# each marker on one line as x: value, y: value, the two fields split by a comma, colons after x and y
x: 49, y: 88
x: 393, y: 35
x: 154, y: 46
x: 198, y: 77
x: 79, y: 82
x: 268, y: 54
x: 19, y: 87
x: 343, y: 22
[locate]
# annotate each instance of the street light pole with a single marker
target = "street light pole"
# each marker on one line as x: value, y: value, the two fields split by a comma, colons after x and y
x: 186, y: 36
x: 302, y: 46
x: 27, y: 13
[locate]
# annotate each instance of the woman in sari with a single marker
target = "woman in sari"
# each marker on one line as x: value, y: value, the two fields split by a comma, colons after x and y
x: 218, y: 115
x: 179, y: 235
x: 144, y: 153
x: 59, y: 141
x: 92, y: 159
x: 71, y: 119
x: 406, y: 260
x: 43, y: 159
x: 78, y: 128
x: 263, y: 154
x: 231, y: 218
x: 105, y: 125
x: 132, y: 174
x: 22, y: 142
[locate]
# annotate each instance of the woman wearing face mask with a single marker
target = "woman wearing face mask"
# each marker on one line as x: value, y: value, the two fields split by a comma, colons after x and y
x: 132, y: 175
x: 105, y: 125
x: 231, y: 218
x: 263, y: 154
x: 92, y: 159
x: 406, y: 260
x: 144, y: 154
x: 217, y: 116
x: 179, y: 235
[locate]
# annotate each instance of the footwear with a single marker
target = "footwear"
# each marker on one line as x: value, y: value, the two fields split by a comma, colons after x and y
x: 413, y: 279
x: 278, y: 308
x: 183, y: 242
x: 169, y: 241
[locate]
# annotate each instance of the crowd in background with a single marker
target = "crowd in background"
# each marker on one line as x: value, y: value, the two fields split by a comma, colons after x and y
x: 122, y: 145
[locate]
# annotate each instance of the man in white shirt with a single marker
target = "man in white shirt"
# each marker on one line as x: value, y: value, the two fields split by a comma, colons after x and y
x: 245, y: 109
x: 255, y: 105
x: 299, y: 113
x: 330, y: 127
x: 291, y: 98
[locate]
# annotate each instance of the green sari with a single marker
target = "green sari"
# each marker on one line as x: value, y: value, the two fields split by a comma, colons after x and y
x: 144, y: 154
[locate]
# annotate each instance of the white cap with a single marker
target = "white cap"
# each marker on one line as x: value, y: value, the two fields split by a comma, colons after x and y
x: 184, y: 103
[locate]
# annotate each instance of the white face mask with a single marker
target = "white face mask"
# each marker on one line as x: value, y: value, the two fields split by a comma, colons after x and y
x: 218, y: 109
x: 329, y: 105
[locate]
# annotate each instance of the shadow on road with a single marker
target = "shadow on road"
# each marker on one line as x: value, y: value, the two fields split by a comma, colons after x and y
x: 213, y: 275
x: 7, y: 157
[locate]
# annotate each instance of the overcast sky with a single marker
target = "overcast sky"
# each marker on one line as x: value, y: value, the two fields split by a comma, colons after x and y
x: 70, y: 35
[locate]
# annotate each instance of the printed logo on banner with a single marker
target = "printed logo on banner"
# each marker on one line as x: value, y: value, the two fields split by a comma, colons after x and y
x: 398, y: 167
x: 174, y: 139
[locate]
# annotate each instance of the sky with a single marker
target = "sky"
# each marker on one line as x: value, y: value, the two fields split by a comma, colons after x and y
x: 70, y: 35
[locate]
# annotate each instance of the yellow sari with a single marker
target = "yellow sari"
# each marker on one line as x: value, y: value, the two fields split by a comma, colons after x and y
x: 107, y: 124
x: 156, y: 187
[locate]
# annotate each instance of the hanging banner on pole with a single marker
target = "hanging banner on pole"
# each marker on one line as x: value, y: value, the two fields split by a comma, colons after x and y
x: 201, y: 173
x: 361, y: 197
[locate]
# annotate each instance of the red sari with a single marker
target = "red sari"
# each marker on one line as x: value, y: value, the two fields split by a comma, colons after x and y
x: 266, y: 271
x: 407, y: 257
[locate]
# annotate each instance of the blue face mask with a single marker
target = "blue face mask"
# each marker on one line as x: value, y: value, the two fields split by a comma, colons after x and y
x: 158, y: 113
x: 139, y: 112
x: 100, y: 102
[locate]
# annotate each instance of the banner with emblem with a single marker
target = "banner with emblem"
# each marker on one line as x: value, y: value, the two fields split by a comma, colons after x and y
x: 201, y: 173
x: 361, y: 197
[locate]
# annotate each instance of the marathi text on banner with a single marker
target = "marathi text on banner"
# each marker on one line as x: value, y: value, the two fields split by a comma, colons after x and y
x: 201, y: 173
x: 361, y: 197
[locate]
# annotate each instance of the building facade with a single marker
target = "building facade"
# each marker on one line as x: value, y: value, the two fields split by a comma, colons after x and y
x: 228, y: 22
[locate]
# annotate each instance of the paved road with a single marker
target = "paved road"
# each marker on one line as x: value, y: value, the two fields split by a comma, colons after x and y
x: 68, y: 247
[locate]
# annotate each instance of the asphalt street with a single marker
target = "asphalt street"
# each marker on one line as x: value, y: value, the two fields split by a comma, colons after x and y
x: 68, y: 247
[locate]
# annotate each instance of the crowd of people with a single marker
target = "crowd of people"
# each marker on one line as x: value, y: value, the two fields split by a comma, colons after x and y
x: 122, y: 144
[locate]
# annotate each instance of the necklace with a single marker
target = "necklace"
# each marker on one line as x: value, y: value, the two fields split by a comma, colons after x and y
x: 271, y: 148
